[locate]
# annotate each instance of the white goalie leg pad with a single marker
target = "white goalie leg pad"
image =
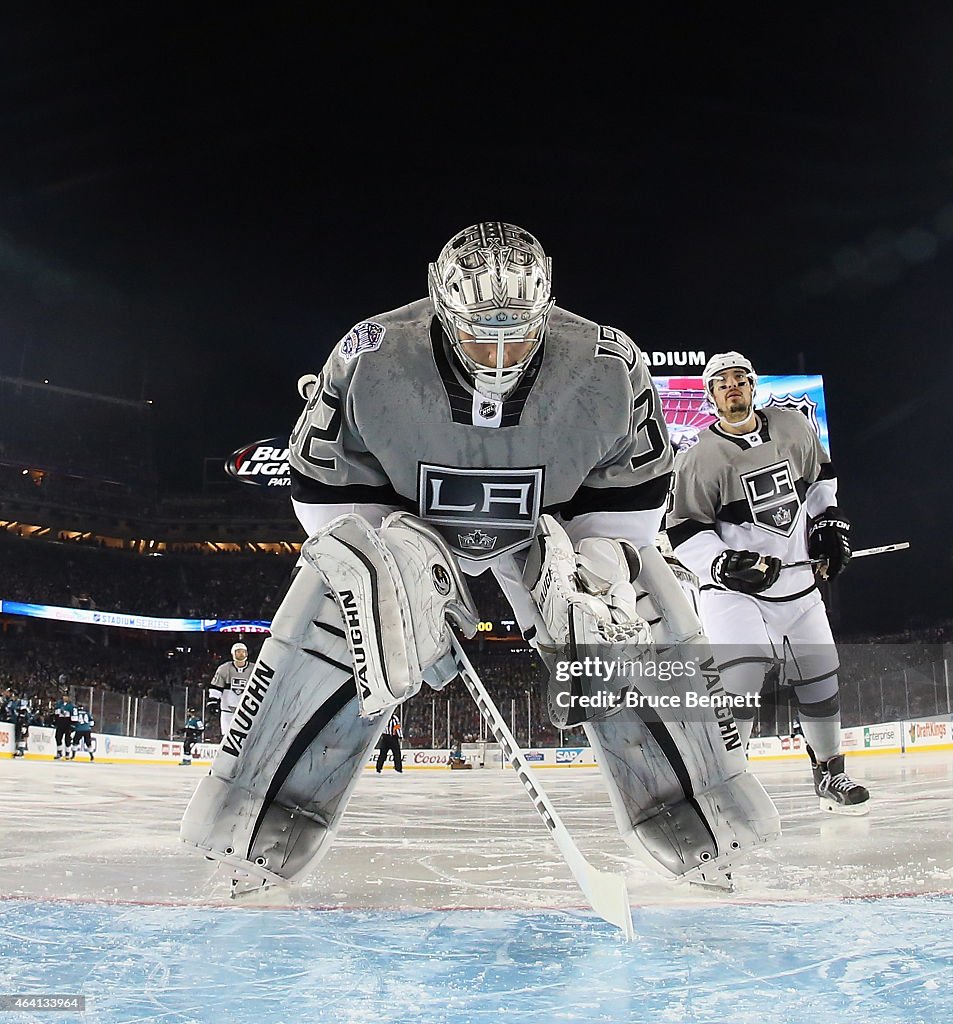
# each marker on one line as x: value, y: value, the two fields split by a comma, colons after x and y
x: 396, y: 588
x: 280, y: 783
x: 678, y: 777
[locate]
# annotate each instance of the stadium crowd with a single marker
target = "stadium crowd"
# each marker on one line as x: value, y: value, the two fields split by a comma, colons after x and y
x: 178, y: 585
x: 883, y: 678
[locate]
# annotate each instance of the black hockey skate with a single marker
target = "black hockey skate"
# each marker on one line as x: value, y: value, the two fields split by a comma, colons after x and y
x: 836, y: 790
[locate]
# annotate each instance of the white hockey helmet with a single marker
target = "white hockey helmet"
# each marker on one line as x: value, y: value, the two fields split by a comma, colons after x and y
x: 722, y: 361
x: 492, y: 282
x: 239, y: 649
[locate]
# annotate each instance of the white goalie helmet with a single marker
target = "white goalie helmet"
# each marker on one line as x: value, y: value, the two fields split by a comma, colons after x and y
x: 492, y: 283
x: 717, y: 365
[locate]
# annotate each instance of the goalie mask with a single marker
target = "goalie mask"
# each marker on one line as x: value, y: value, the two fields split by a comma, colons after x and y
x: 491, y: 289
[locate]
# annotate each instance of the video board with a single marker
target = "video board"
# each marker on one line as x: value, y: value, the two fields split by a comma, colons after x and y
x: 687, y: 410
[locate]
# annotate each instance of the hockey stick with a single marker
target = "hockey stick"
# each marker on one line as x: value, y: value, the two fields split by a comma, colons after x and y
x: 605, y: 890
x: 883, y: 549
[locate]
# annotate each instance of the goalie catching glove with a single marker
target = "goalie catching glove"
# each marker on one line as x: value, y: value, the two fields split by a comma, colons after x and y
x: 745, y: 572
x: 829, y: 538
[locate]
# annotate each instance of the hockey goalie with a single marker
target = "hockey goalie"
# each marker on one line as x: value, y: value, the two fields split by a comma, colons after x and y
x: 480, y: 428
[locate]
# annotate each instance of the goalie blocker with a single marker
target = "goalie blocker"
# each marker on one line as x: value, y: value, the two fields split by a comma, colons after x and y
x: 362, y: 623
x: 678, y: 782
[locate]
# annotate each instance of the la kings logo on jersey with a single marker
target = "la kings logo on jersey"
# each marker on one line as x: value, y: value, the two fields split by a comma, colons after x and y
x: 773, y: 498
x: 238, y: 681
x: 481, y: 512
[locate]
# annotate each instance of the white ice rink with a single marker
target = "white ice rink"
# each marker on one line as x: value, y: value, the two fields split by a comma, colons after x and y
x: 444, y: 899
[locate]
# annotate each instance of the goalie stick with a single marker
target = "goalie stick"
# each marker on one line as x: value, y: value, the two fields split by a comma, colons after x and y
x: 883, y: 549
x: 605, y: 890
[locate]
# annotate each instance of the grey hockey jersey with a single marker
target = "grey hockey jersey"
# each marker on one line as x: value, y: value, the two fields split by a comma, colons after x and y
x: 228, y: 683
x: 392, y: 423
x: 753, y: 492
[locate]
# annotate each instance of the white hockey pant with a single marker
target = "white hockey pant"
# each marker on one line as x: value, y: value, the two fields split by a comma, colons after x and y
x: 752, y: 636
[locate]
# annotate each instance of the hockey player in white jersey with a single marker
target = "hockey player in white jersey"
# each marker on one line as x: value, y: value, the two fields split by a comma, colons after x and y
x: 227, y: 686
x: 479, y: 427
x: 756, y: 492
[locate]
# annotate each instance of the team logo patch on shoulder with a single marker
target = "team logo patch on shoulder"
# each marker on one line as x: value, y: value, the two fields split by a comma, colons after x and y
x: 363, y: 337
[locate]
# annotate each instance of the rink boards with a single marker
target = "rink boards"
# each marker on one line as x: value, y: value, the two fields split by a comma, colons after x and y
x: 884, y: 738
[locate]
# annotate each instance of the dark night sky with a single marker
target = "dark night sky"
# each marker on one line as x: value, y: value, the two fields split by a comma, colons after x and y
x: 195, y: 206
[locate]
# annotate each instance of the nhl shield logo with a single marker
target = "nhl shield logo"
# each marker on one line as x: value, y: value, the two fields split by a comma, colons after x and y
x: 803, y: 404
x: 773, y: 498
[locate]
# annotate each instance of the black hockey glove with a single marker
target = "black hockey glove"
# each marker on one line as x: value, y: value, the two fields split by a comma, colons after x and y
x: 746, y: 571
x: 829, y: 538
x: 213, y: 706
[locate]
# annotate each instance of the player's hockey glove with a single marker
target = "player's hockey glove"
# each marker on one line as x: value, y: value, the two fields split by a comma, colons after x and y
x: 745, y: 571
x: 213, y: 706
x: 829, y: 538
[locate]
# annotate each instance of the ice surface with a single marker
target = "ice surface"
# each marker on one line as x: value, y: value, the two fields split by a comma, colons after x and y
x: 444, y: 899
